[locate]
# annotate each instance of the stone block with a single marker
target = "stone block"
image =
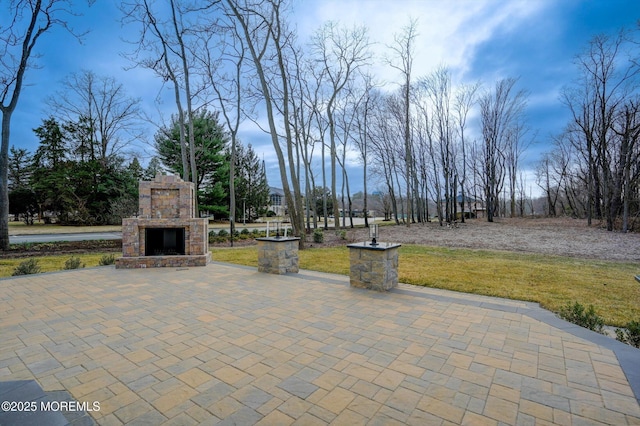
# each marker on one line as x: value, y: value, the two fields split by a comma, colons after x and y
x: 278, y: 255
x: 373, y: 267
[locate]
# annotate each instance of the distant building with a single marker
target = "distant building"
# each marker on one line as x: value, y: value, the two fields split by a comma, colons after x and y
x: 468, y: 203
x: 277, y: 201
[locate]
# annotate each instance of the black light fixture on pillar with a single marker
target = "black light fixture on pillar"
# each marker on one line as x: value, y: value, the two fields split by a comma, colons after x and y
x: 373, y: 234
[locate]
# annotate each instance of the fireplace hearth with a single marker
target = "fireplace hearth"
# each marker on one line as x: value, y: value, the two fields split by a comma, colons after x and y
x: 165, y: 232
x: 164, y: 241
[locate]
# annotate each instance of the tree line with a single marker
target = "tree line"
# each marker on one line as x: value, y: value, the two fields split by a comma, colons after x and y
x: 71, y: 179
x: 429, y: 141
x: 593, y: 171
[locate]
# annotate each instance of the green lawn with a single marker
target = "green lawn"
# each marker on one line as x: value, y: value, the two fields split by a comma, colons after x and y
x: 552, y: 281
x: 53, y: 262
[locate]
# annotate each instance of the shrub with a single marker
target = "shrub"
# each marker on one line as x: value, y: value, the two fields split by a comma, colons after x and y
x: 255, y: 232
x: 318, y: 236
x: 343, y: 235
x: 73, y: 263
x: 107, y: 259
x: 244, y: 231
x: 27, y: 267
x: 588, y: 318
x: 223, y: 233
x: 630, y: 335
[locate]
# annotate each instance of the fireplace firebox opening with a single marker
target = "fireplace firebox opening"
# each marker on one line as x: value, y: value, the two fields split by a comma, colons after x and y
x: 164, y: 241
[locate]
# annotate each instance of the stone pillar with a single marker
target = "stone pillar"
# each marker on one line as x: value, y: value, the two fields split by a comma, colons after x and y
x: 374, y: 267
x: 278, y: 255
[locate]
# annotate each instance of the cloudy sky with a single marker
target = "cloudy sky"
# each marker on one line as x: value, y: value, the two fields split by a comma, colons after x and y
x: 479, y: 40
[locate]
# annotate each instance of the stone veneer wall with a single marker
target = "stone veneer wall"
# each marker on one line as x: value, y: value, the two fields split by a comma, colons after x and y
x: 195, y: 234
x: 166, y: 197
x: 196, y: 247
x: 278, y: 255
x: 165, y: 202
x: 162, y: 261
x: 373, y: 268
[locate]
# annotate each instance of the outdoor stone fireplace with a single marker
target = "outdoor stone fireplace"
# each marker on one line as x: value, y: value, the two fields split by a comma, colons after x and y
x: 165, y: 232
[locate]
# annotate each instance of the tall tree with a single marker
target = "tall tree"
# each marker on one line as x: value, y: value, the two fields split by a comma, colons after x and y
x: 269, y: 40
x: 251, y: 183
x: 19, y: 168
x: 341, y: 52
x: 500, y: 112
x: 51, y: 169
x: 403, y: 49
x: 220, y: 53
x: 362, y: 124
x: 27, y: 21
x: 465, y: 98
x: 99, y: 109
x: 210, y: 144
x: 162, y: 47
x: 609, y: 77
x: 439, y: 92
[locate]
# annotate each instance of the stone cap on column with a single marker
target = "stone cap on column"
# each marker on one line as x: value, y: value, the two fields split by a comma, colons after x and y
x: 278, y: 239
x: 366, y: 245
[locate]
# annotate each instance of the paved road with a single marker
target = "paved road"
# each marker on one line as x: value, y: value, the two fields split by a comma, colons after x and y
x: 45, y: 238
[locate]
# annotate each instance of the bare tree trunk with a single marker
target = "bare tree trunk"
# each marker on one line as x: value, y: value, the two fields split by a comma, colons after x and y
x: 269, y: 21
x: 40, y: 17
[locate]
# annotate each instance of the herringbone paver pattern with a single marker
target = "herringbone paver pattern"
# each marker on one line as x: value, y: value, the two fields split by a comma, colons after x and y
x: 225, y: 344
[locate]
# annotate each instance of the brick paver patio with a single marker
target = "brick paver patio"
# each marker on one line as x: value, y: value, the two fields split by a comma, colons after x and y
x: 226, y: 344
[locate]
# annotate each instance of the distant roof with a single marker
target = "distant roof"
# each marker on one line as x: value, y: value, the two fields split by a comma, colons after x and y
x: 459, y: 199
x: 275, y: 191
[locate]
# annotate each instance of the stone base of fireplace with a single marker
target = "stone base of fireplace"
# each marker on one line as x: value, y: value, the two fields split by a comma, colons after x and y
x: 193, y: 232
x: 162, y: 261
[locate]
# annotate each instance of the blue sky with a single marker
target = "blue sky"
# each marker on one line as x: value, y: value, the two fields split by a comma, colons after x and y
x: 479, y: 40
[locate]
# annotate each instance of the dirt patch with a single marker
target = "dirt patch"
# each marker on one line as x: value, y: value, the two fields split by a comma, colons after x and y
x: 563, y: 237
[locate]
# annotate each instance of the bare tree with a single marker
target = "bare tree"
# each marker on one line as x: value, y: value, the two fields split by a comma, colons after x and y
x: 439, y: 91
x: 154, y: 43
x: 267, y: 38
x: 305, y: 87
x: 627, y: 171
x: 600, y: 97
x: 464, y: 100
x: 163, y: 48
x: 220, y: 53
x: 384, y: 131
x: 500, y: 111
x: 28, y: 21
x: 515, y: 147
x: 346, y: 122
x: 102, y: 104
x: 362, y: 123
x: 342, y: 52
x: 403, y: 49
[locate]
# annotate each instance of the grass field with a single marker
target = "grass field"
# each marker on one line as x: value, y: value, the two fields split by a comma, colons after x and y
x: 552, y: 281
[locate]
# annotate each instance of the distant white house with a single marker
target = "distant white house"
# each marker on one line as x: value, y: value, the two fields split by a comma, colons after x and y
x: 277, y: 201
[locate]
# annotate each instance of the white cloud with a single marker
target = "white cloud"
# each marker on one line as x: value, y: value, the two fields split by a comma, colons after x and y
x: 448, y: 31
